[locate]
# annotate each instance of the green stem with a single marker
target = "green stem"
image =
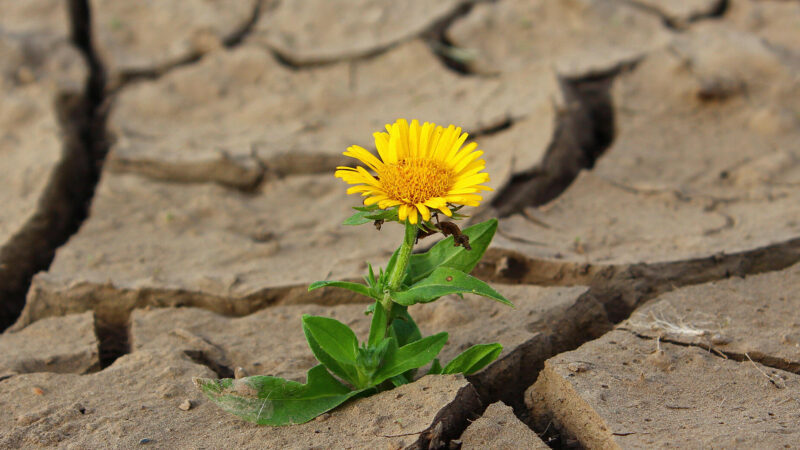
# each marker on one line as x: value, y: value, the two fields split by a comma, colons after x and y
x: 399, y: 270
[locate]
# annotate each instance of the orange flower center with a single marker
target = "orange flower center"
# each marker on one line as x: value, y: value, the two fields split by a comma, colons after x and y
x: 416, y: 180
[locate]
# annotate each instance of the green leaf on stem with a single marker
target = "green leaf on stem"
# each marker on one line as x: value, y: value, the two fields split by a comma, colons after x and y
x: 436, y: 367
x: 355, y: 287
x: 473, y: 359
x: 412, y: 356
x: 399, y: 380
x: 444, y: 281
x: 365, y: 215
x: 392, y: 261
x: 404, y: 329
x: 445, y: 254
x: 377, y: 329
x: 274, y: 401
x: 334, y: 345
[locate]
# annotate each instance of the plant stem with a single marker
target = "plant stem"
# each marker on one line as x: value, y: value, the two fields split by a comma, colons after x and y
x: 399, y: 270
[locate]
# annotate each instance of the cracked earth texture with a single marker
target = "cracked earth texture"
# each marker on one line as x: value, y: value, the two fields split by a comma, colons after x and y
x: 167, y: 171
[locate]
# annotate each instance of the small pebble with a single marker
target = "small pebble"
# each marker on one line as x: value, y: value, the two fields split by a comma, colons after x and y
x: 186, y: 405
x: 660, y: 360
x: 578, y: 367
x: 718, y: 339
x: 27, y: 419
x: 37, y: 390
x: 239, y: 373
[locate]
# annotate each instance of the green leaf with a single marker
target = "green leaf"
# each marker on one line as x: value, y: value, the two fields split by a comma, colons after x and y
x: 359, y: 218
x: 445, y: 254
x: 436, y: 367
x: 404, y: 329
x: 444, y: 281
x: 399, y: 380
x: 355, y: 287
x: 408, y: 357
x: 334, y: 344
x: 365, y: 215
x: 392, y: 261
x: 473, y: 359
x: 274, y: 401
x: 377, y: 329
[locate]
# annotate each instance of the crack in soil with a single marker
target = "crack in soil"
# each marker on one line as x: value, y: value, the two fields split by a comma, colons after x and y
x: 761, y: 358
x: 620, y: 290
x: 717, y: 12
x: 435, y: 35
x: 202, y: 358
x: 113, y: 305
x: 585, y: 129
x: 443, y: 48
x: 231, y: 41
x: 65, y: 201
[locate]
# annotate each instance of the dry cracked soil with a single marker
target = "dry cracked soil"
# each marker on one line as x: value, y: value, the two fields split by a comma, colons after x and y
x: 167, y: 193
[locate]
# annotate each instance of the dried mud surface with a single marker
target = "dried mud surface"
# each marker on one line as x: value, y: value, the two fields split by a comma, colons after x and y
x: 645, y: 164
x: 622, y: 391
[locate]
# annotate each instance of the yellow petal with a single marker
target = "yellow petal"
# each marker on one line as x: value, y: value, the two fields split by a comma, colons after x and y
x: 402, y: 212
x: 466, y: 160
x: 465, y: 199
x: 360, y: 153
x: 413, y: 138
x: 424, y: 211
x: 403, y: 150
x: 443, y: 147
x: 375, y: 199
x: 384, y: 204
x: 425, y: 139
x: 369, y: 179
x: 412, y: 215
x: 436, y: 202
x: 456, y: 146
x: 394, y: 144
x: 469, y: 148
x: 365, y: 188
x: 471, y: 180
x: 466, y: 190
x: 472, y: 168
x: 382, y: 145
x: 434, y: 141
x: 351, y: 176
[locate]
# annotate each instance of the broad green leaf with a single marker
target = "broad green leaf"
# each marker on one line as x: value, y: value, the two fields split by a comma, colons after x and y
x: 365, y: 216
x: 366, y: 208
x: 388, y: 215
x: 408, y: 357
x: 473, y: 359
x: 358, y: 218
x: 377, y: 328
x: 444, y: 281
x: 274, y: 401
x: 445, y: 254
x: 355, y: 287
x: 334, y: 345
x: 404, y: 329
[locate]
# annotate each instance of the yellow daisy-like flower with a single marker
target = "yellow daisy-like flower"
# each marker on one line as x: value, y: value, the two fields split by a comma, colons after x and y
x: 420, y: 167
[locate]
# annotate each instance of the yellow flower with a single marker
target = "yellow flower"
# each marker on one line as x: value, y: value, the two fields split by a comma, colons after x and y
x: 420, y: 167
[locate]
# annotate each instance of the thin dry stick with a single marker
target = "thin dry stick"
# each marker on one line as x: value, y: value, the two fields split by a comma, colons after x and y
x: 769, y: 377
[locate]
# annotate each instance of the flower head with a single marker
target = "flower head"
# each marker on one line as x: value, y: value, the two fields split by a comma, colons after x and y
x: 421, y: 167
